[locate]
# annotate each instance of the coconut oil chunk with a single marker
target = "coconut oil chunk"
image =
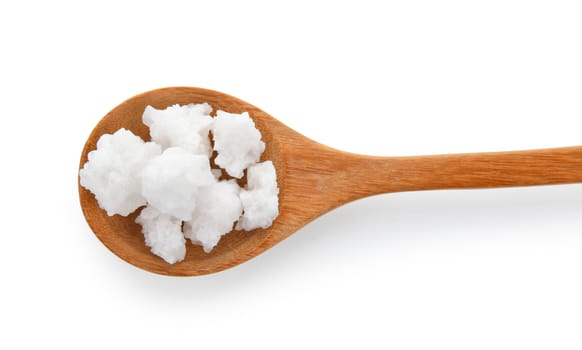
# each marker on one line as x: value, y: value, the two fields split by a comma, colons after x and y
x: 222, y: 208
x: 183, y: 194
x: 171, y: 181
x: 112, y: 169
x: 163, y: 234
x: 237, y: 141
x: 186, y: 127
x: 260, y: 199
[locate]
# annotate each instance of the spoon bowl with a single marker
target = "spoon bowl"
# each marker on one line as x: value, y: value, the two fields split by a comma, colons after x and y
x: 313, y: 179
x: 123, y: 236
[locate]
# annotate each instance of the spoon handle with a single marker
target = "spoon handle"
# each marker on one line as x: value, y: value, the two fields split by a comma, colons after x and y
x: 466, y: 171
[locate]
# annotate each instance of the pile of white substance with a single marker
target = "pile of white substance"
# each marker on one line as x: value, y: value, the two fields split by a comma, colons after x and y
x: 172, y: 176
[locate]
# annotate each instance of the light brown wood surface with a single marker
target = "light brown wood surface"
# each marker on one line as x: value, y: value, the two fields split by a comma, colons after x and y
x: 313, y: 179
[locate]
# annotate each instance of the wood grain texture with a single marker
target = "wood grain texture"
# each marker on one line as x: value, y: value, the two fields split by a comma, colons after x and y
x: 313, y: 179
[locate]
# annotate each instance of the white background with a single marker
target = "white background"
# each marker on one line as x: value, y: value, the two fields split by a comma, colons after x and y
x: 487, y: 269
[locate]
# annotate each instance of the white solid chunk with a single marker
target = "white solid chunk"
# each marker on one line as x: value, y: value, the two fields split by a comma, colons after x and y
x: 173, y: 177
x: 185, y: 126
x: 163, y: 234
x: 111, y: 171
x: 260, y: 199
x: 222, y: 207
x: 170, y: 181
x: 237, y: 142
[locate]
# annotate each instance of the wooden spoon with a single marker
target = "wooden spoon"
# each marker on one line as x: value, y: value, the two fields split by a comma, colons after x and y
x: 313, y: 179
